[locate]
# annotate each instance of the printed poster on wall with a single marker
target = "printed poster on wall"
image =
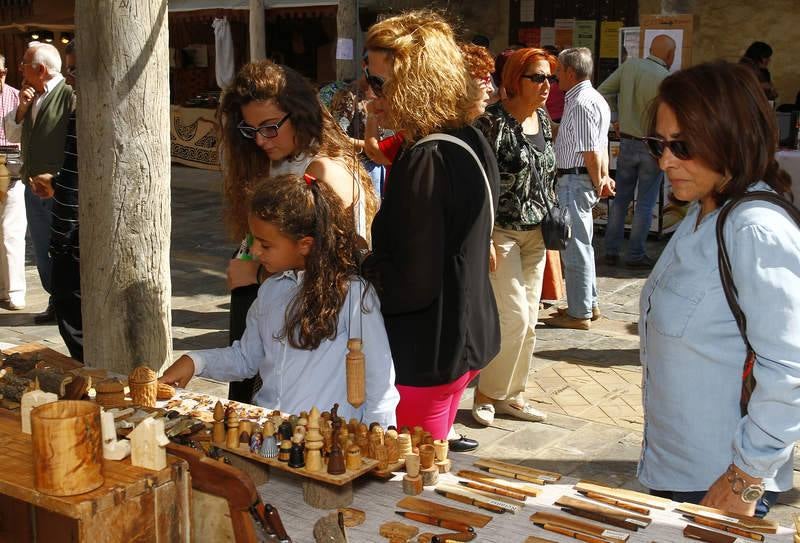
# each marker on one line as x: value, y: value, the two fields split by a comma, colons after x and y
x: 565, y: 29
x: 548, y: 35
x: 584, y: 35
x: 530, y: 37
x: 609, y: 38
x: 628, y: 43
x: 527, y: 11
x: 674, y: 33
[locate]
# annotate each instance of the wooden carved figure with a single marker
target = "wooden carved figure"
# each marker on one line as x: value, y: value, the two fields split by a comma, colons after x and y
x: 404, y: 444
x: 356, y: 373
x: 296, y: 454
x: 269, y: 447
x: 353, y: 460
x: 218, y: 431
x: 30, y: 400
x: 255, y: 442
x: 144, y: 386
x: 112, y: 449
x: 313, y: 442
x: 147, y: 444
x: 390, y: 442
x: 285, y: 450
x: 232, y: 423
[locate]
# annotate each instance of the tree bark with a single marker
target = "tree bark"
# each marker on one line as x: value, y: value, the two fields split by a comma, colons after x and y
x: 258, y: 31
x: 346, y: 28
x: 124, y: 169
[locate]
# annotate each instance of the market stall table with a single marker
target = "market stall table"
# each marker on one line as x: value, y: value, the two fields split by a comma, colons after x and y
x: 378, y: 499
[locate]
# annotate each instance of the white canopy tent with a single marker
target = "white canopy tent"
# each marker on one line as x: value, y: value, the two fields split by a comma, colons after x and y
x: 190, y: 5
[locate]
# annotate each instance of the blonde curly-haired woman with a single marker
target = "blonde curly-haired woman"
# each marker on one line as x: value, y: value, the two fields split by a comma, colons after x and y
x: 431, y: 236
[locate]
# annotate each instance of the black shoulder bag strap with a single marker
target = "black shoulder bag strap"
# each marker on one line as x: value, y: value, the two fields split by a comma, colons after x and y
x: 748, y: 379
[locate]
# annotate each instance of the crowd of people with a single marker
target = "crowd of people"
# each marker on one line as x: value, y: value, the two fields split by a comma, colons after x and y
x: 408, y: 213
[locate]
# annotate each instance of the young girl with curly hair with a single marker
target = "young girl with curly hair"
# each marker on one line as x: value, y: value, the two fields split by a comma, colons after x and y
x: 273, y: 123
x: 298, y: 327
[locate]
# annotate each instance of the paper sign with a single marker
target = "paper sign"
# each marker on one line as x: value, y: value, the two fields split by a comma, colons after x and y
x: 609, y: 38
x: 548, y: 35
x: 564, y: 31
x: 584, y: 35
x: 675, y: 34
x: 628, y: 43
x: 527, y: 11
x: 344, y: 49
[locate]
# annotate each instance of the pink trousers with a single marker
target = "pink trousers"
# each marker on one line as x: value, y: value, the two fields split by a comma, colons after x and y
x: 434, y: 408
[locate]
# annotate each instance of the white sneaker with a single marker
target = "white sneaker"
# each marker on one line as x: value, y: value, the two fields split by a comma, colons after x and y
x: 483, y: 413
x: 525, y: 412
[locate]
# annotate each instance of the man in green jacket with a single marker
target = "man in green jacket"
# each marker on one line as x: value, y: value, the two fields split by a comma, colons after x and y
x: 45, y: 104
x: 629, y: 91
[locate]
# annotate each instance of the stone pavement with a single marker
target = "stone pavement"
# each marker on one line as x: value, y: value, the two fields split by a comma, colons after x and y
x: 589, y: 382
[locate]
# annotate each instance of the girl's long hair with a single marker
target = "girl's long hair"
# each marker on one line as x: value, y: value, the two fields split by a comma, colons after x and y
x: 316, y: 133
x: 300, y: 206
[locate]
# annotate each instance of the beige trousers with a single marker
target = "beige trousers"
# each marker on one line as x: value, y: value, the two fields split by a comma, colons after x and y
x: 517, y: 285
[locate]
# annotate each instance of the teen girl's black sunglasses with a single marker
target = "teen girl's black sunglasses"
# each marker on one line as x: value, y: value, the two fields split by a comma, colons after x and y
x: 657, y: 145
x: 375, y: 83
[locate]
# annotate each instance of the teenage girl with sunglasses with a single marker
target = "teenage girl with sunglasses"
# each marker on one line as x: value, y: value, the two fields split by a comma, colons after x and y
x: 273, y: 123
x: 298, y: 328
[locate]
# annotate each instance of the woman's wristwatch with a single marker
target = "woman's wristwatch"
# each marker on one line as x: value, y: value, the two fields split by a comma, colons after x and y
x: 749, y: 492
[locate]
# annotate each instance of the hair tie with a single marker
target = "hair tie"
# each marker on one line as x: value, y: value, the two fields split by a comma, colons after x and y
x: 309, y: 179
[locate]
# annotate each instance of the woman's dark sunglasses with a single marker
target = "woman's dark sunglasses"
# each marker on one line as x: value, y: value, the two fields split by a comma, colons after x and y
x: 540, y: 78
x: 375, y: 83
x: 656, y: 147
x: 266, y: 130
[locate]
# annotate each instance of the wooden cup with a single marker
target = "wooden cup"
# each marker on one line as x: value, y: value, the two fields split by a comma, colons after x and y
x: 442, y: 447
x: 426, y: 456
x: 412, y: 464
x: 67, y: 447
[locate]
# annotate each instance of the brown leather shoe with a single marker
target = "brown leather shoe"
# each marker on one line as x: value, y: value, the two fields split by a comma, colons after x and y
x: 595, y: 312
x: 566, y: 321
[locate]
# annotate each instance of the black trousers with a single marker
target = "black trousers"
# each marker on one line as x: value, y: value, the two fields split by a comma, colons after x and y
x: 241, y: 300
x: 66, y: 297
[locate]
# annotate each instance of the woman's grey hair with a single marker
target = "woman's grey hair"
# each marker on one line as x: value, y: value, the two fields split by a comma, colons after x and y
x: 579, y: 59
x: 46, y: 55
x: 2, y: 62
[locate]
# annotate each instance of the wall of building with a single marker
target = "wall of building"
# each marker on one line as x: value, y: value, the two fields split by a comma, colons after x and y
x: 724, y: 29
x: 487, y: 17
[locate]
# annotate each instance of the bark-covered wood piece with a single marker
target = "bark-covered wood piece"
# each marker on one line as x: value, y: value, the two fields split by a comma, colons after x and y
x: 325, y: 496
x: 327, y: 530
x: 19, y: 364
x: 13, y: 389
x: 52, y: 380
x: 353, y: 517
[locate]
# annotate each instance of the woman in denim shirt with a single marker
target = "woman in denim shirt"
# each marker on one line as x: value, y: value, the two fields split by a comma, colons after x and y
x: 714, y: 135
x: 519, y: 130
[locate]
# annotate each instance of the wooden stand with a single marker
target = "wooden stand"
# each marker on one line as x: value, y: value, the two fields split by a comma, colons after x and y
x: 325, y: 496
x: 443, y: 466
x: 430, y: 476
x: 67, y: 447
x: 412, y: 485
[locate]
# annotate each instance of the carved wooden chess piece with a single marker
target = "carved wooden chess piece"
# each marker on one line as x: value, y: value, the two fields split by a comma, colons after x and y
x: 218, y: 431
x: 404, y: 444
x: 296, y: 455
x: 269, y: 447
x: 285, y: 430
x: 392, y: 449
x: 362, y: 439
x: 255, y: 442
x: 356, y: 373
x: 412, y: 482
x: 285, y: 451
x: 112, y: 448
x: 313, y: 442
x: 382, y: 456
x: 232, y: 432
x: 336, y: 462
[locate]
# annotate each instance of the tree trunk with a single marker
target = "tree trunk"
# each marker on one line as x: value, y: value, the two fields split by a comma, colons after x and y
x: 347, y: 28
x: 124, y: 169
x: 258, y: 31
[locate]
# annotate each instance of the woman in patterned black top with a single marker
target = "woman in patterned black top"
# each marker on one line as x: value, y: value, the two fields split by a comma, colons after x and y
x: 519, y: 130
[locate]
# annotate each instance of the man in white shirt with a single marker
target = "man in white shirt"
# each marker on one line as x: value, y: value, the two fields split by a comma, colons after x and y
x: 13, y: 222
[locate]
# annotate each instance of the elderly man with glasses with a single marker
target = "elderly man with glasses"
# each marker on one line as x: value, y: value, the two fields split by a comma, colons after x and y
x: 40, y: 125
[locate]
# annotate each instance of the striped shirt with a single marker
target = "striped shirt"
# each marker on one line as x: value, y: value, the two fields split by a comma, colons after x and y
x: 64, y: 226
x: 584, y: 125
x: 9, y: 100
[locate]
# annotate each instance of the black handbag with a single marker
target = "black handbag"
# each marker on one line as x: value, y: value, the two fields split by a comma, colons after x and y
x: 748, y: 378
x: 556, y: 224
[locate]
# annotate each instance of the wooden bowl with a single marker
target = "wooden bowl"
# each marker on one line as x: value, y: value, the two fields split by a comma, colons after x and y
x: 67, y: 447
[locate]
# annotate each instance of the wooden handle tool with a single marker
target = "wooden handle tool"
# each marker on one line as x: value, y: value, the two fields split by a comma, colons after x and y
x: 616, y: 503
x: 493, y: 490
x: 727, y: 528
x: 435, y: 521
x: 514, y: 486
x: 580, y: 536
x: 471, y: 501
x: 454, y: 537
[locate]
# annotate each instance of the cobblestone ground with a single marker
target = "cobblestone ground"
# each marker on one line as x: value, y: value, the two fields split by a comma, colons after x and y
x: 589, y: 382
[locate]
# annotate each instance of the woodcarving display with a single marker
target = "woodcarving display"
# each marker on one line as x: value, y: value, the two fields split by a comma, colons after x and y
x: 144, y: 386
